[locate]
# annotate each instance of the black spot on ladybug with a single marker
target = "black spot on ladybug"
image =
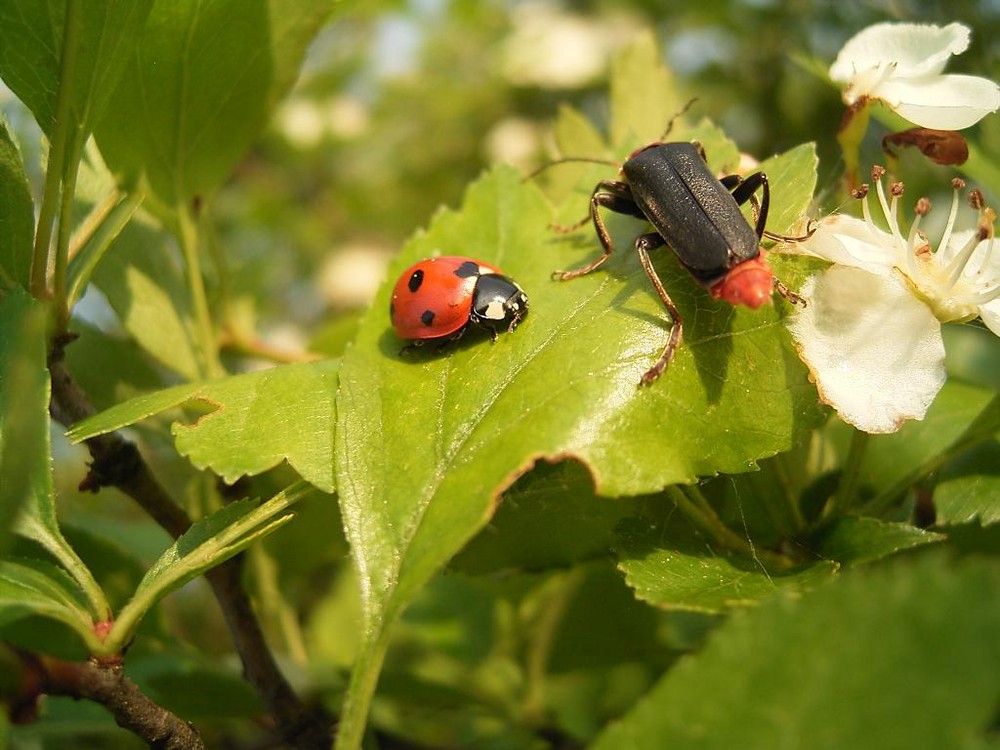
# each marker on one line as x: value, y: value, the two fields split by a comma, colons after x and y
x: 416, y: 280
x: 467, y: 269
x: 427, y: 317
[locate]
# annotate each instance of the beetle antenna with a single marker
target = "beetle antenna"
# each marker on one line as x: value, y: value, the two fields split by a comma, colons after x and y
x: 570, y: 160
x: 670, y: 125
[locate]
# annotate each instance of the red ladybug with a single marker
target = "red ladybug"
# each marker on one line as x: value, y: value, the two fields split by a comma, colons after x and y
x: 439, y: 298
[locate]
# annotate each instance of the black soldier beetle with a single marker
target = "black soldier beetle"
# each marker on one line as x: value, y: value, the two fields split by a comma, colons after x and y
x: 697, y: 215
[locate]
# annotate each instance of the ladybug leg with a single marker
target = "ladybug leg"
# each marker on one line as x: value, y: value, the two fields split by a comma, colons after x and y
x: 410, y: 347
x: 615, y: 196
x: 643, y: 244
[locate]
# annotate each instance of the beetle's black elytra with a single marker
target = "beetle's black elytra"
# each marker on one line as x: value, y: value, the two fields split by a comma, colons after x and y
x: 697, y: 215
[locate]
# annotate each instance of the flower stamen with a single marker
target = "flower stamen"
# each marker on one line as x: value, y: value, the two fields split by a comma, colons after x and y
x: 957, y: 265
x: 920, y: 210
x: 986, y: 219
x: 957, y: 185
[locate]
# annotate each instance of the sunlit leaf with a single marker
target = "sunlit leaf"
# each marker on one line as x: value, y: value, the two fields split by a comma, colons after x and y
x: 142, y: 278
x: 644, y: 95
x: 428, y: 440
x: 257, y: 420
x: 32, y: 33
x: 200, y: 88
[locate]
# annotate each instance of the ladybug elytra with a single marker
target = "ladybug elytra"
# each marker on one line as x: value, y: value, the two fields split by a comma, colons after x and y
x: 439, y: 298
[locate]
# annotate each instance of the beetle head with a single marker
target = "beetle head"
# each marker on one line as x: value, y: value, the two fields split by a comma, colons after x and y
x: 749, y: 283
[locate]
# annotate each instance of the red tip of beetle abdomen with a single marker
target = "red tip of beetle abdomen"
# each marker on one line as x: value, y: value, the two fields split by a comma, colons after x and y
x: 750, y: 283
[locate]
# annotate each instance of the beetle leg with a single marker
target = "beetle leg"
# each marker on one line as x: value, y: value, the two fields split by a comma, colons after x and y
x: 730, y: 181
x: 745, y: 189
x: 810, y: 231
x: 796, y: 299
x: 643, y: 244
x: 617, y: 197
x: 738, y: 187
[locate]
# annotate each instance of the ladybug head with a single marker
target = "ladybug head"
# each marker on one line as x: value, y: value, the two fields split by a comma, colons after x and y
x: 749, y: 283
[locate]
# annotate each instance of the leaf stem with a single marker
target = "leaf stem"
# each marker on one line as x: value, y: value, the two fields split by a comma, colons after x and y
x: 210, y: 553
x: 100, y: 229
x: 206, y: 343
x: 58, y: 140
x: 65, y: 231
x: 983, y: 427
x: 846, y: 494
x: 361, y: 688
x: 274, y: 604
x: 543, y: 638
x: 693, y: 504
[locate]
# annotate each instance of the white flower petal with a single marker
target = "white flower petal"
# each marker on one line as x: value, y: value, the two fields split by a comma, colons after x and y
x: 852, y: 242
x: 950, y: 102
x: 874, y: 350
x: 915, y: 49
x: 990, y: 313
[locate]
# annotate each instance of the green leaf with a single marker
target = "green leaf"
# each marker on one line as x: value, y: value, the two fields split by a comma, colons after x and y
x: 792, y: 180
x: 209, y: 542
x: 852, y: 540
x: 17, y: 215
x: 427, y: 441
x: 142, y: 278
x: 132, y: 411
x: 32, y: 34
x: 735, y: 393
x: 670, y: 567
x: 200, y: 88
x: 961, y: 416
x: 109, y: 367
x: 27, y: 494
x: 644, y: 95
x: 257, y: 420
x: 24, y: 407
x: 841, y: 667
x: 37, y: 588
x: 968, y: 489
x: 550, y: 518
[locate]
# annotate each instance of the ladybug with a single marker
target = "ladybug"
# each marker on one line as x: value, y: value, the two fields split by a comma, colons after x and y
x: 437, y: 299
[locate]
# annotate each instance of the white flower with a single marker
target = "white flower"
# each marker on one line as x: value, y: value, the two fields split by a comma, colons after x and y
x: 900, y: 64
x: 871, y: 331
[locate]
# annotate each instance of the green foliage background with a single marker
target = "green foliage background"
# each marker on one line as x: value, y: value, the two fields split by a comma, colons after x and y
x: 493, y: 549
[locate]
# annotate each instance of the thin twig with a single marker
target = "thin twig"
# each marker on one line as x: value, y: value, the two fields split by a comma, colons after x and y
x: 108, y: 685
x: 118, y: 463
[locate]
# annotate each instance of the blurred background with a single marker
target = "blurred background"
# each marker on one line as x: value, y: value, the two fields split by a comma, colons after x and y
x: 401, y: 104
